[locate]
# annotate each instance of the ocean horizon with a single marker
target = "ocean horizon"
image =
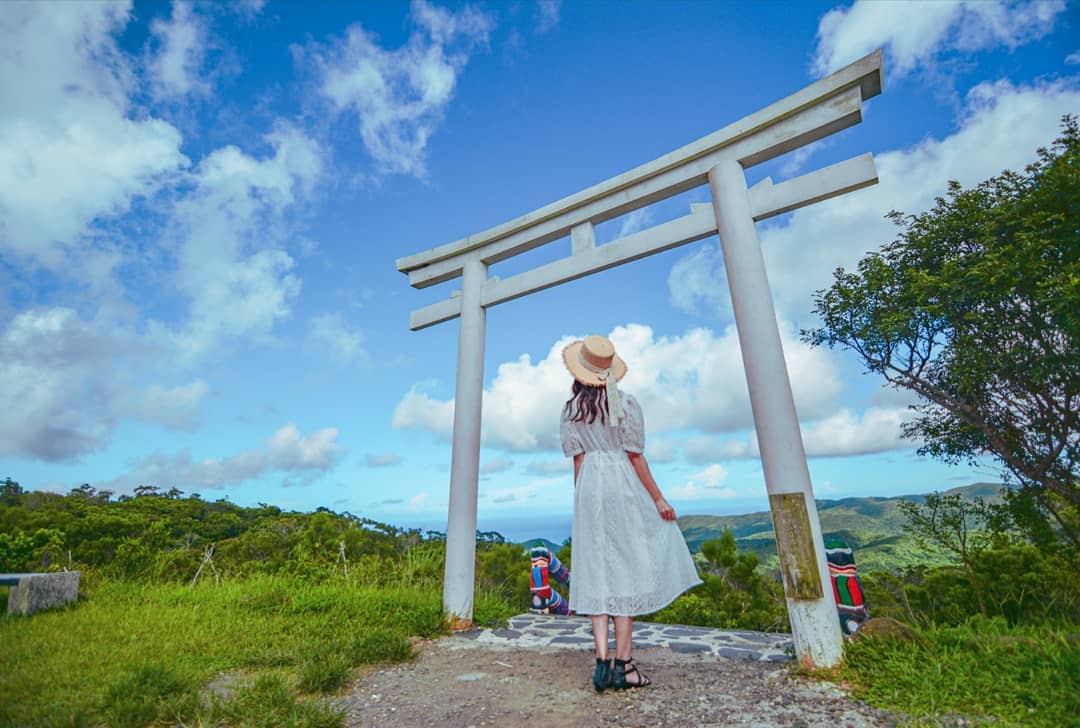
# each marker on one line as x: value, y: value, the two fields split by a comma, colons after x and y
x: 556, y: 527
x: 516, y: 528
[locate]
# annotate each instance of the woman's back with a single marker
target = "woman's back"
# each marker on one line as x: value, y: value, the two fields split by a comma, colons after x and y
x: 599, y: 436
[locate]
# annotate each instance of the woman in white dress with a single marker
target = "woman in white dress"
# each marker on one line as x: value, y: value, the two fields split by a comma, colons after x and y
x: 629, y: 556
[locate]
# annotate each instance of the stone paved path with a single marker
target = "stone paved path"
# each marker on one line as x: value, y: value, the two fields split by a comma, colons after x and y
x: 549, y: 630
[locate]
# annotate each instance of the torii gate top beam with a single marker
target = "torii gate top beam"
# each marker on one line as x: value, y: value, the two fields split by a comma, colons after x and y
x: 816, y: 111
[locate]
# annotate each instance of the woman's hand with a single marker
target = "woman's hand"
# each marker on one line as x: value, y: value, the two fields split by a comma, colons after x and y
x: 665, y: 509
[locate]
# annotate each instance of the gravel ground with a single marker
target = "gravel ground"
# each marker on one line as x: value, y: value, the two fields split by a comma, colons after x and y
x: 456, y: 683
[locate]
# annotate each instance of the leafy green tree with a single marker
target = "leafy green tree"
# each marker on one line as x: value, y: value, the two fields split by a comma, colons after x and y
x: 10, y: 492
x: 975, y: 307
x: 962, y: 528
x: 734, y: 593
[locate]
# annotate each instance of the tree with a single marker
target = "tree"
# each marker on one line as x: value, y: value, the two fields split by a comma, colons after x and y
x: 975, y: 307
x: 960, y: 527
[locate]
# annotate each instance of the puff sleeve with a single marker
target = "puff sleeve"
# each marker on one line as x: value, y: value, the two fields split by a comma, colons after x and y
x: 632, y: 427
x: 571, y: 443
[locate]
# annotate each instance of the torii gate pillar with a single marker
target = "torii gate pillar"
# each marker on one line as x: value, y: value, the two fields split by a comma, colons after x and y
x: 460, y: 571
x: 787, y: 478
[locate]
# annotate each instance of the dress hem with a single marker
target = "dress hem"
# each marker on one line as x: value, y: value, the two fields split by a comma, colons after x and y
x: 638, y: 614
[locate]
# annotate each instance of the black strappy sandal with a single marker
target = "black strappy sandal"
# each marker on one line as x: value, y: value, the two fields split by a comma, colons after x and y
x: 602, y: 677
x: 619, y: 682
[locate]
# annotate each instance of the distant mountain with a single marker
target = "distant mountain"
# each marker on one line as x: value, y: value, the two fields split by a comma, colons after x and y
x: 534, y: 542
x: 873, y: 527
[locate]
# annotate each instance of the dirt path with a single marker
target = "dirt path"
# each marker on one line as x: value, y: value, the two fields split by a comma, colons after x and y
x: 455, y: 683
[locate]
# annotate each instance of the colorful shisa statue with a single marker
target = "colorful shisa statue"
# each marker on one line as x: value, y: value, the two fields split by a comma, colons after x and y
x: 546, y: 566
x: 847, y: 589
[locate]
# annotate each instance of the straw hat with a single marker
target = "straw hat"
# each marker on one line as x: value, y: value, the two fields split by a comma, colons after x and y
x: 590, y: 360
x: 594, y: 363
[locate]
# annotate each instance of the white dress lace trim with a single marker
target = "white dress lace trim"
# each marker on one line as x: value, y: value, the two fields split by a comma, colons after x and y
x: 626, y: 559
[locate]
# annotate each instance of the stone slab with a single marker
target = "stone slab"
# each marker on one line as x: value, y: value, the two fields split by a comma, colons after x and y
x: 36, y: 592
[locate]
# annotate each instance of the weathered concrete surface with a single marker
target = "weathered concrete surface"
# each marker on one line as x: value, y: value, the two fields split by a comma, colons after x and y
x: 35, y: 592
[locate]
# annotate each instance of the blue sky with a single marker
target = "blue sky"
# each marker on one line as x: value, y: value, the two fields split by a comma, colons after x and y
x: 201, y: 207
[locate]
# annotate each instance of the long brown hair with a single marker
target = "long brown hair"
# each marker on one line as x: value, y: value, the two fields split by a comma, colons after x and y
x: 587, y: 404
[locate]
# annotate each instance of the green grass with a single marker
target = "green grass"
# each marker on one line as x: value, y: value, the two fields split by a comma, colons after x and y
x: 984, y: 670
x: 130, y: 654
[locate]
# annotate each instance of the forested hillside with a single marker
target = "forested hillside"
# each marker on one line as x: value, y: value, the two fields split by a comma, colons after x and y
x: 874, y: 527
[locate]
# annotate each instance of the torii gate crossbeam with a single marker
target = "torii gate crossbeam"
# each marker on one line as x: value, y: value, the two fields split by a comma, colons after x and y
x: 719, y: 160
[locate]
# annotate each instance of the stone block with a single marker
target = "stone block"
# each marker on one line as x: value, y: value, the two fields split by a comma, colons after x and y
x: 36, y: 592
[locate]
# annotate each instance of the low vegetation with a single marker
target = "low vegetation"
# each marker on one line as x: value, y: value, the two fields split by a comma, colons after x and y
x: 289, y: 607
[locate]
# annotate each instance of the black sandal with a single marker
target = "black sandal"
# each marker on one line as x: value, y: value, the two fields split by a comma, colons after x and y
x: 619, y: 682
x: 602, y: 677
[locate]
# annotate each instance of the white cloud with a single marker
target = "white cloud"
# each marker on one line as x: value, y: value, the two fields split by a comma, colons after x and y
x: 709, y: 483
x: 661, y: 450
x: 80, y: 164
x: 181, y: 40
x: 547, y: 15
x: 68, y: 381
x: 693, y: 381
x: 802, y: 250
x: 286, y: 451
x: 382, y: 460
x: 329, y: 332
x: 844, y: 433
x: 53, y: 403
x: 418, y: 410
x: 400, y: 95
x: 497, y: 464
x: 701, y: 449
x: 1072, y: 59
x: 698, y: 283
x: 545, y: 490
x: 231, y: 264
x: 176, y: 408
x: 71, y: 153
x: 548, y: 468
x: 635, y: 221
x: 418, y: 501
x: 914, y: 34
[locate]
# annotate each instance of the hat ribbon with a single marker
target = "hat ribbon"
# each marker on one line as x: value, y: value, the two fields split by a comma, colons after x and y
x: 615, y: 408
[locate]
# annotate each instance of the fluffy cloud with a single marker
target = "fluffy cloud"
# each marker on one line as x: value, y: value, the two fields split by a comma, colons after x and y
x: 52, y: 407
x: 913, y: 37
x: 843, y: 433
x: 548, y: 468
x: 330, y: 333
x: 76, y: 159
x: 497, y: 464
x: 181, y: 40
x: 693, y: 381
x: 286, y: 451
x: 709, y: 483
x: 231, y: 264
x: 381, y: 460
x: 802, y: 251
x: 71, y: 151
x: 176, y: 408
x: 400, y: 95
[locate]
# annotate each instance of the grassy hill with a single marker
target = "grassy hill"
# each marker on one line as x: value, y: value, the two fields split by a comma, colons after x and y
x: 873, y: 527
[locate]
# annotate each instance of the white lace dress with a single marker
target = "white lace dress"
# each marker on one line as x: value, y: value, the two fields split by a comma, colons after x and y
x: 626, y: 559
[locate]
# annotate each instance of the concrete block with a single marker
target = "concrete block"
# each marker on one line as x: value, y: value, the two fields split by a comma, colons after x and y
x: 36, y: 592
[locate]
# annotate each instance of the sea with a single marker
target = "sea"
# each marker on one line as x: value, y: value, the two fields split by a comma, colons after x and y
x: 517, y: 528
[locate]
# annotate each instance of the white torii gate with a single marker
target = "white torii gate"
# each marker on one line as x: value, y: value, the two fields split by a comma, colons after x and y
x: 719, y: 159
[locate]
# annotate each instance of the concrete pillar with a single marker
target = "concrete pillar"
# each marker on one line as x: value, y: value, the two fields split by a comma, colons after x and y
x: 459, y: 579
x: 815, y: 626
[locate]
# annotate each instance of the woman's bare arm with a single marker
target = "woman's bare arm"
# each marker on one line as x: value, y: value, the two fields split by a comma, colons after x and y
x: 641, y: 467
x: 577, y: 465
